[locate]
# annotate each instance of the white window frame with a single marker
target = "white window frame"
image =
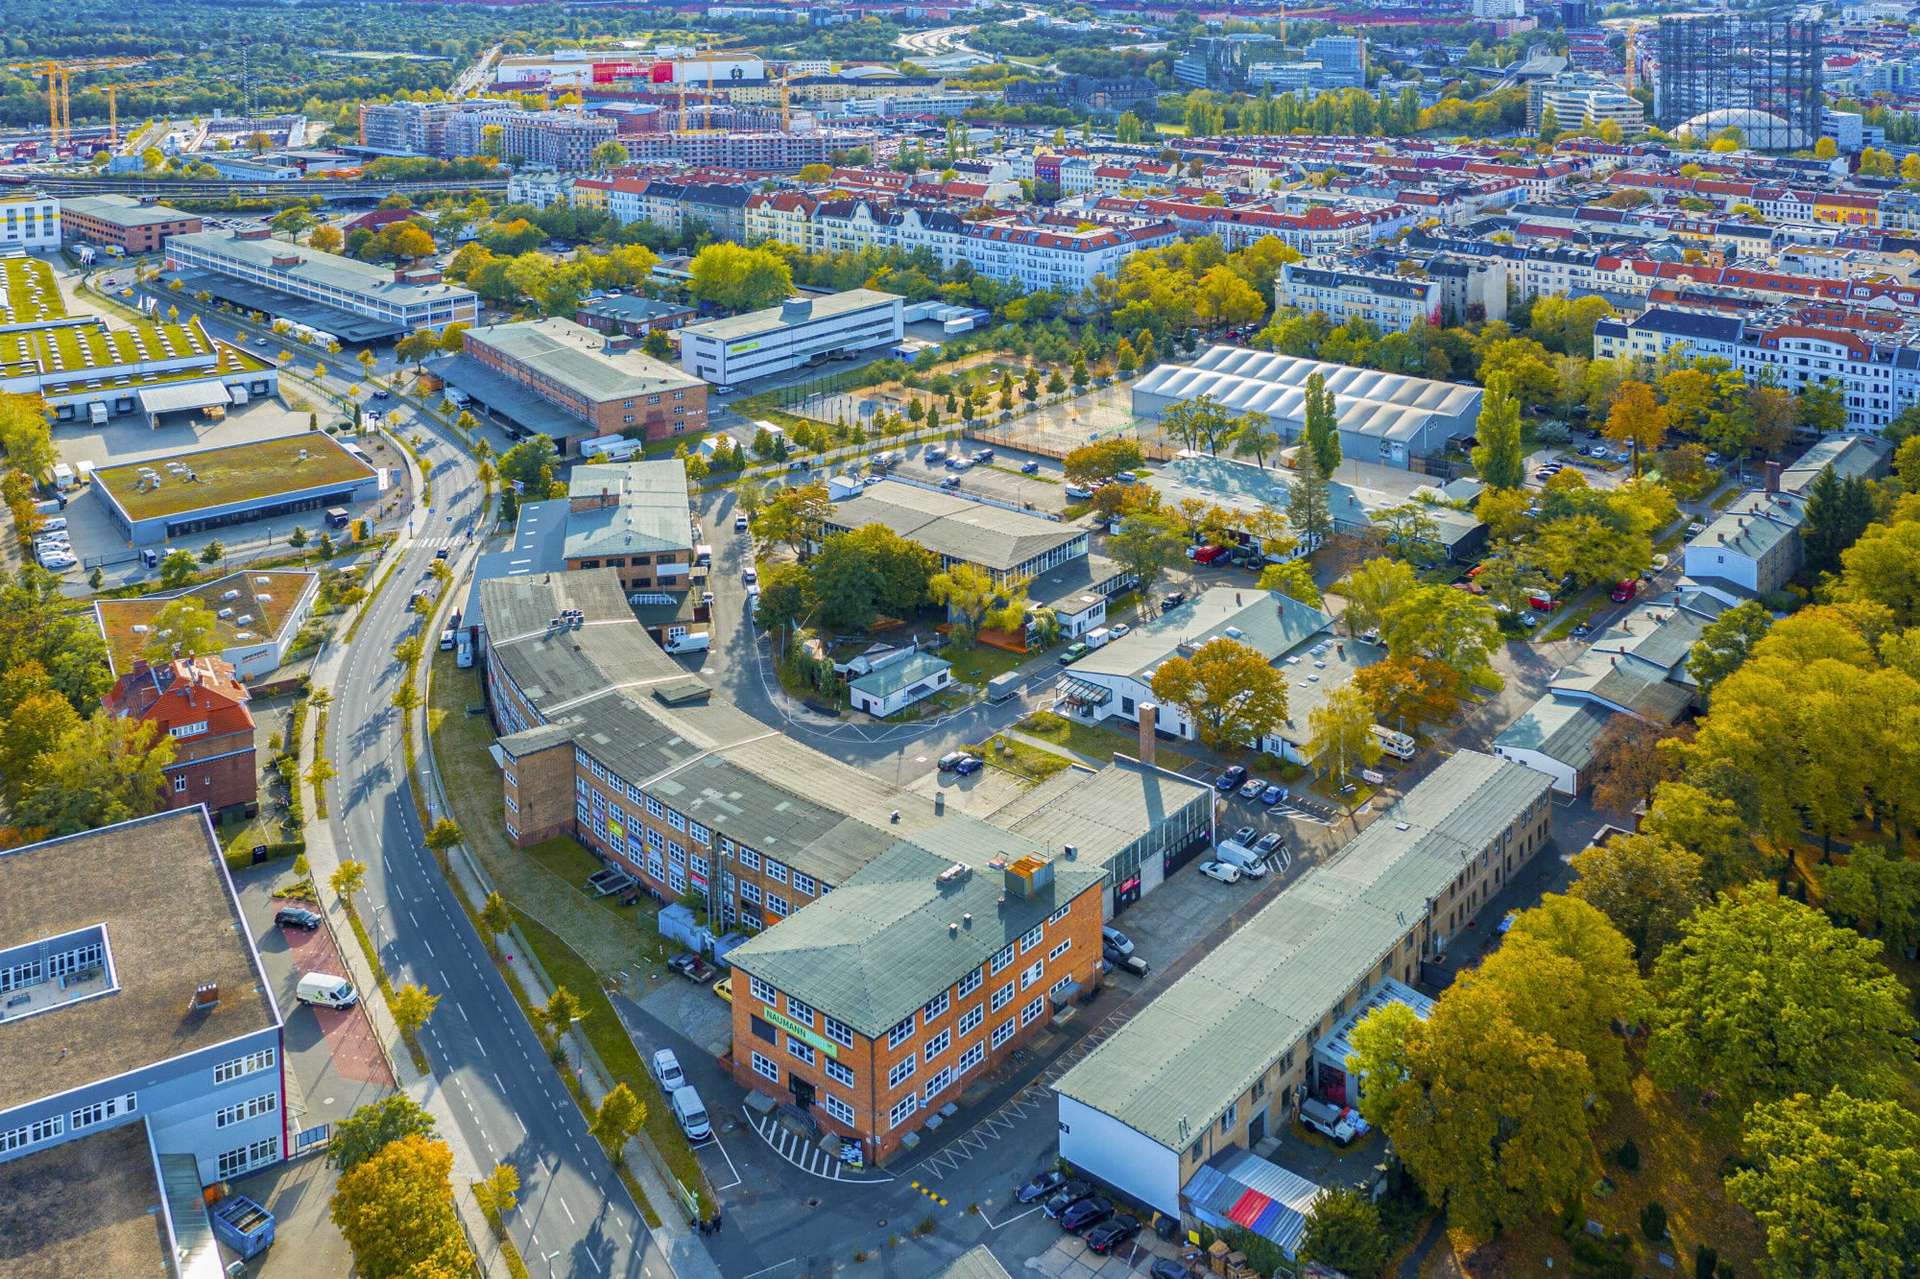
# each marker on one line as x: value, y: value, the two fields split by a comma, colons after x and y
x: 766, y: 1068
x: 903, y: 1070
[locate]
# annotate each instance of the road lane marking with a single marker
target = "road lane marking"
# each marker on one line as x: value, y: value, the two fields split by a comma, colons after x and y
x: 563, y: 1208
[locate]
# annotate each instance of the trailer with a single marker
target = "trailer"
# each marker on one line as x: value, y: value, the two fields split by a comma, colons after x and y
x: 242, y: 1225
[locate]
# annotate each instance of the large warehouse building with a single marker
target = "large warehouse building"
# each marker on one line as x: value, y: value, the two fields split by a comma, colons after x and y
x: 1223, y: 1057
x: 798, y: 332
x: 213, y: 488
x: 1389, y: 418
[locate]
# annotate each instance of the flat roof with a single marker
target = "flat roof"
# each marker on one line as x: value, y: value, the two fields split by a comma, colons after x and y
x: 311, y: 266
x: 267, y: 596
x: 233, y: 473
x: 1176, y: 1066
x: 159, y: 889
x: 1100, y: 814
x: 894, y: 676
x: 775, y: 318
x: 31, y: 293
x: 348, y: 326
x: 957, y: 528
x: 122, y: 210
x: 1268, y: 622
x: 85, y: 1207
x: 651, y: 513
x: 575, y: 358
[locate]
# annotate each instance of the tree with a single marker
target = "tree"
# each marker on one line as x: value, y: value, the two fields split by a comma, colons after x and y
x: 1835, y: 1182
x: 1309, y: 507
x: 1762, y: 997
x: 1627, y: 763
x: 1823, y: 407
x: 26, y: 434
x: 1648, y: 886
x: 1254, y: 437
x: 562, y: 1009
x: 1451, y: 627
x: 374, y: 1126
x: 417, y: 346
x: 1726, y: 642
x: 1145, y: 545
x: 793, y: 516
x: 1371, y: 589
x: 1825, y: 149
x: 395, y: 1211
x: 1523, y: 366
x: 786, y: 596
x: 740, y: 279
x: 620, y: 1116
x: 969, y: 594
x: 1883, y: 567
x: 184, y: 627
x: 1228, y: 689
x: 1878, y: 892
x: 98, y: 771
x: 1197, y: 422
x: 1294, y: 579
x: 495, y: 915
x: 609, y: 155
x: 867, y: 572
x: 348, y: 878
x: 1409, y: 691
x: 177, y: 568
x: 212, y: 553
x: 1344, y: 1232
x: 1838, y: 512
x: 297, y: 538
x: 411, y: 1006
x: 498, y: 1193
x: 443, y: 835
x: 325, y: 239
x: 1487, y: 1115
x: 1340, y: 735
x: 1409, y: 531
x: 1499, y: 457
x: 1102, y: 460
x: 1636, y: 419
x: 39, y: 630
x: 1320, y: 432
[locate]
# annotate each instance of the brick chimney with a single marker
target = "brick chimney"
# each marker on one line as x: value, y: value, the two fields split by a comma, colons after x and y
x: 1149, y: 715
x: 1773, y: 477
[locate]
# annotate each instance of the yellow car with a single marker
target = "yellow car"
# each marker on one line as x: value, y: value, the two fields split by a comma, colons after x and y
x: 724, y: 988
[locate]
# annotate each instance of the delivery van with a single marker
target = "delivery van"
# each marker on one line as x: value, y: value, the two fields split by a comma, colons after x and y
x: 691, y: 1114
x: 323, y: 990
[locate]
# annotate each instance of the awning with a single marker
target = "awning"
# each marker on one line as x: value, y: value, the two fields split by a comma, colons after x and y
x: 179, y: 397
x: 1238, y: 1188
x: 1084, y: 692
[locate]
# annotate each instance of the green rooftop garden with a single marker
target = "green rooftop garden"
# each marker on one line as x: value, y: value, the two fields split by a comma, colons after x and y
x: 241, y: 473
x: 32, y: 293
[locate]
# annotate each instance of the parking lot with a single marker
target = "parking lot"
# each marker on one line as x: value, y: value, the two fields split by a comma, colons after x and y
x: 1000, y: 479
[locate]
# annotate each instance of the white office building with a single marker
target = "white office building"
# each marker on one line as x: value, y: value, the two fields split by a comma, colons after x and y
x: 131, y: 993
x: 798, y: 332
x: 30, y: 222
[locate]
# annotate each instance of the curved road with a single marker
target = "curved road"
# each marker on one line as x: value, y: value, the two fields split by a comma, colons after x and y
x: 575, y: 1216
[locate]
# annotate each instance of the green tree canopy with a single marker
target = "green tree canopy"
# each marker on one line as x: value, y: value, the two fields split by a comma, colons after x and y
x: 368, y: 1130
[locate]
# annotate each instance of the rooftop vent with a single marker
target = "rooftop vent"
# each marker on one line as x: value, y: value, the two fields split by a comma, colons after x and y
x: 205, y: 996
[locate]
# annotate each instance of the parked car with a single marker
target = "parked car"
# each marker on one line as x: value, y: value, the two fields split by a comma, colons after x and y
x: 1206, y: 554
x: 667, y: 1072
x: 739, y: 523
x: 1624, y: 591
x: 951, y: 760
x: 1118, y: 629
x: 1271, y: 842
x: 1696, y: 528
x: 296, y: 917
x: 950, y: 482
x: 935, y: 454
x: 1711, y: 459
x: 1110, y: 936
x: 1233, y: 775
x: 1066, y: 1197
x: 968, y: 766
x: 748, y: 577
x: 1273, y: 795
x: 724, y: 988
x: 1173, y: 599
x: 1222, y: 871
x: 1113, y: 1233
x: 1030, y: 468
x: 982, y: 455
x: 1089, y: 1212
x: 692, y: 967
x: 380, y: 395
x: 1244, y: 835
x: 1340, y: 1124
x: 1073, y: 653
x: 1253, y: 787
x: 1078, y: 493
x: 1040, y: 1186
x: 1168, y: 1268
x: 1543, y: 603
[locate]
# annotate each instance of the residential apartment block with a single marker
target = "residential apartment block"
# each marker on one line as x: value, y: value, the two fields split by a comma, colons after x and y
x: 113, y: 1022
x: 202, y: 706
x: 1223, y: 1057
x: 420, y: 128
x: 1390, y: 303
x: 544, y: 139
x: 1064, y: 257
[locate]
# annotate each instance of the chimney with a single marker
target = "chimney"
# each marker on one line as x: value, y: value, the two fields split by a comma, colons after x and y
x: 1773, y: 477
x: 939, y: 803
x: 1149, y: 715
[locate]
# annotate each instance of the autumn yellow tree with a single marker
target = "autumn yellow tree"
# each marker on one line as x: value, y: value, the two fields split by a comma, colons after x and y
x: 1636, y: 419
x: 395, y: 1211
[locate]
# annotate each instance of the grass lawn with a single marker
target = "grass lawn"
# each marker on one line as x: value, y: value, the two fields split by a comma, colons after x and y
x: 237, y: 473
x: 1022, y: 759
x: 1726, y: 497
x: 1098, y: 744
x: 981, y: 662
x: 603, y: 1029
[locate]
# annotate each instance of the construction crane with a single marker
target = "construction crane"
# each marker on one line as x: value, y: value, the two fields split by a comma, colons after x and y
x: 113, y: 92
x: 59, y: 78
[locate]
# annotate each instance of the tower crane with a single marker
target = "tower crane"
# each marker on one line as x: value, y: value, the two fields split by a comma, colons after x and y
x: 59, y: 78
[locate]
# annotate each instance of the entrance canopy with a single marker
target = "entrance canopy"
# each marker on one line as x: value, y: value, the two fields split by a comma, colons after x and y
x: 182, y: 397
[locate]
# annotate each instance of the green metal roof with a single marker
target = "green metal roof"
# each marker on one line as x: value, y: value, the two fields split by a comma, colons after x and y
x: 890, y: 679
x: 651, y: 513
x: 1175, y: 1067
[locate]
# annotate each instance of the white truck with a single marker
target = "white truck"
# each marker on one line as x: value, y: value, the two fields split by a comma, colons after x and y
x: 1339, y: 1124
x: 1250, y: 862
x: 1398, y: 745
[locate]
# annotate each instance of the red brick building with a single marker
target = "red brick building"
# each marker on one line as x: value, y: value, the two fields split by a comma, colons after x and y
x: 202, y: 705
x: 137, y: 225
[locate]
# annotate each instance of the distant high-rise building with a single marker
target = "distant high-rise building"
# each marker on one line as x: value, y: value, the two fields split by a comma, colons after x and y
x: 1759, y: 72
x: 1573, y: 13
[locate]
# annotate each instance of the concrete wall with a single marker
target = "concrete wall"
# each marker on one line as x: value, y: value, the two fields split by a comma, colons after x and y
x: 1124, y: 1158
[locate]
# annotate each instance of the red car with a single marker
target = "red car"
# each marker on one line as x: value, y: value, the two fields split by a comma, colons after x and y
x: 1208, y: 554
x: 1624, y: 591
x: 1543, y: 603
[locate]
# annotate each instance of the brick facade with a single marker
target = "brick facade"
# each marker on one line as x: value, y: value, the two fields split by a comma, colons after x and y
x: 202, y: 706
x: 661, y: 415
x: 138, y: 237
x: 881, y: 1088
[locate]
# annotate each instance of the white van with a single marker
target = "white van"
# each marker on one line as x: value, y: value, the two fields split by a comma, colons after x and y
x: 1098, y: 637
x: 667, y: 1072
x: 1398, y: 745
x: 687, y: 1108
x: 326, y: 991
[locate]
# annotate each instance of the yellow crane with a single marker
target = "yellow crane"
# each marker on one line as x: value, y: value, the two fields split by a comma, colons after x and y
x: 59, y: 78
x: 113, y: 92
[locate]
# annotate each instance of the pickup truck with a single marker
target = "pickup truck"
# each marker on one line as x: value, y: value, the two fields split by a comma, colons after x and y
x: 692, y: 967
x: 1340, y: 1124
